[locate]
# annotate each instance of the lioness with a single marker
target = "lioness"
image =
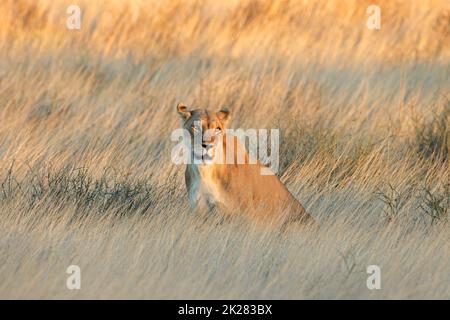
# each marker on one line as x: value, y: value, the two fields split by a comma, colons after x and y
x: 237, y: 186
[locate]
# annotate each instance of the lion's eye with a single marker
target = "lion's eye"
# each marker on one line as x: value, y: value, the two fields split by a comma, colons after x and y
x: 218, y: 128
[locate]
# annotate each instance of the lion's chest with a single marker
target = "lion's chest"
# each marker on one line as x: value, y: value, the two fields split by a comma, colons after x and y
x: 209, y: 187
x: 203, y: 187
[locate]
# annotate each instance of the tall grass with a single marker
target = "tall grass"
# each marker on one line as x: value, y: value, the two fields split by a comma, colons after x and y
x: 85, y: 170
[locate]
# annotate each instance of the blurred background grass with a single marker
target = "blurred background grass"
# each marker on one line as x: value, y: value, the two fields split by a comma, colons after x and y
x: 85, y: 123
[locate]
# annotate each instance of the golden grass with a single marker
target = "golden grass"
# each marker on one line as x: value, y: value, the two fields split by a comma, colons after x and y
x: 85, y: 123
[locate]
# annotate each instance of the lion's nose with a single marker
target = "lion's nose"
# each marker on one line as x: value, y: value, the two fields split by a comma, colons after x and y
x: 204, y: 145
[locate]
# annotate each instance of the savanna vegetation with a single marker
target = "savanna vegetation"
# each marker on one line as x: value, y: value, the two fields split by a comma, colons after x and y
x: 85, y: 171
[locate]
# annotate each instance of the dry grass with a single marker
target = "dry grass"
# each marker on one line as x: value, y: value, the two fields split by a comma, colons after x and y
x: 85, y: 170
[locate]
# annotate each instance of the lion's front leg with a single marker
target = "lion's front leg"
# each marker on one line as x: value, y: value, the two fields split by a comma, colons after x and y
x: 194, y: 196
x: 201, y: 201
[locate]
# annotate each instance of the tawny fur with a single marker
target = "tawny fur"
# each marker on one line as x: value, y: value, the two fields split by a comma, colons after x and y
x: 240, y: 188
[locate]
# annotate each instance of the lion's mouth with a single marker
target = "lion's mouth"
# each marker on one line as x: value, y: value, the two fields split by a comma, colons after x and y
x: 204, y: 154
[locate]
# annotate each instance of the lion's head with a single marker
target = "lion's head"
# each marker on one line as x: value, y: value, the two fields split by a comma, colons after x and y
x: 206, y: 129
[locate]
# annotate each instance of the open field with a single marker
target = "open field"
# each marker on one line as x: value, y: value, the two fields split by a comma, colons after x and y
x: 85, y: 171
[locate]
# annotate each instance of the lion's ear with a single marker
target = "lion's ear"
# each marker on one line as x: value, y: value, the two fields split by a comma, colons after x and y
x: 224, y: 115
x: 183, y: 111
